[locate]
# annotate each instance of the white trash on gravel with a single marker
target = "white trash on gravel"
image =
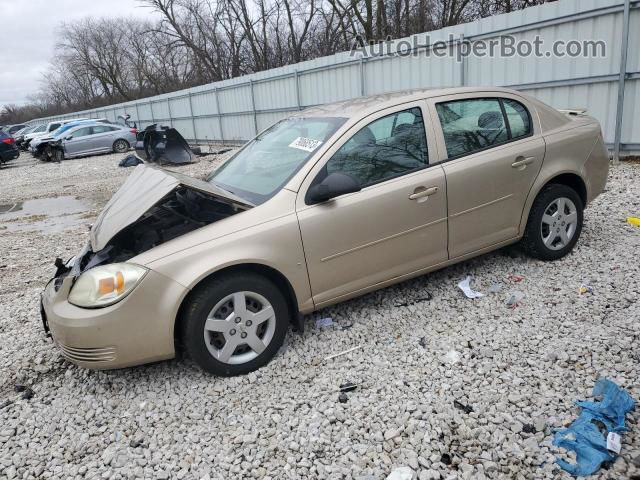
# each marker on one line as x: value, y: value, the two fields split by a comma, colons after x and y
x: 465, y: 286
x: 519, y: 370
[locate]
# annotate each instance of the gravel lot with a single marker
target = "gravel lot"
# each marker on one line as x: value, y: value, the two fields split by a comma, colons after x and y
x: 520, y: 370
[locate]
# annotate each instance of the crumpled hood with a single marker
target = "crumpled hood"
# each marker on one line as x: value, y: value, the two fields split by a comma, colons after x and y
x: 143, y: 189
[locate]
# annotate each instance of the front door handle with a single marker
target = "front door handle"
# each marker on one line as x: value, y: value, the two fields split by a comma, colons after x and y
x: 422, y: 192
x: 522, y: 162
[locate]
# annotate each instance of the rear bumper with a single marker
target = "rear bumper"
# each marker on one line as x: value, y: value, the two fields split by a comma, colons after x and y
x: 7, y: 155
x: 134, y: 331
x: 597, y: 170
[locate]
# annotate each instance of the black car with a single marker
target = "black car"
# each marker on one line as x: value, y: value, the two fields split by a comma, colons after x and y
x: 8, y: 148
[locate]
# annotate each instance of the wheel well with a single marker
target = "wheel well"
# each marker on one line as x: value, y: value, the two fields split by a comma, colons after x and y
x: 573, y: 181
x: 272, y: 274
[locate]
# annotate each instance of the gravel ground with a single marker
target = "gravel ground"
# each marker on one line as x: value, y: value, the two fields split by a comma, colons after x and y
x: 422, y: 347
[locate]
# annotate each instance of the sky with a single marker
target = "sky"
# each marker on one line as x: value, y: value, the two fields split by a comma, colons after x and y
x: 28, y: 36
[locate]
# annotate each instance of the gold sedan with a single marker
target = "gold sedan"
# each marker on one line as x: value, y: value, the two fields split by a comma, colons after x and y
x: 326, y: 205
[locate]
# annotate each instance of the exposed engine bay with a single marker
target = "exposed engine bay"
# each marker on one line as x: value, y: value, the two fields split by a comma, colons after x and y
x: 153, y: 206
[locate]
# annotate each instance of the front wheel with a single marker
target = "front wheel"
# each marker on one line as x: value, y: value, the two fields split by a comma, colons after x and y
x: 120, y: 146
x: 554, y: 224
x: 234, y: 324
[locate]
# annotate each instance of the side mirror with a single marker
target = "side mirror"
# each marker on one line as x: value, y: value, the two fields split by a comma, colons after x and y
x: 68, y: 137
x: 334, y: 185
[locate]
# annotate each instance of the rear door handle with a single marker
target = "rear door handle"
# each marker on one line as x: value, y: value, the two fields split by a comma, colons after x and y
x: 522, y: 162
x: 422, y: 192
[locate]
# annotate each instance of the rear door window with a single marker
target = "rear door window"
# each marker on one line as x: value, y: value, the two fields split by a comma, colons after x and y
x: 101, y: 129
x: 81, y: 132
x: 473, y: 125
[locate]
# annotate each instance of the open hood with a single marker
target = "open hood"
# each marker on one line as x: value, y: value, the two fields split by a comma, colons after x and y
x: 144, y: 189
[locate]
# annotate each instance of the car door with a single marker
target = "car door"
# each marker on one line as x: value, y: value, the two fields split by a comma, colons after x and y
x: 101, y: 138
x: 395, y: 225
x: 492, y: 152
x: 78, y: 143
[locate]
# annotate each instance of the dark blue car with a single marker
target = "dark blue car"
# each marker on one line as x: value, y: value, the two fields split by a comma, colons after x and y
x: 8, y: 148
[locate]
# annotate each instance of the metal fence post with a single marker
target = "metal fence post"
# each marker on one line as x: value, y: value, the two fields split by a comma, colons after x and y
x: 219, y: 117
x: 296, y: 78
x: 462, y: 61
x: 362, y: 80
x: 139, y: 123
x: 621, y: 80
x: 253, y: 108
x: 193, y: 120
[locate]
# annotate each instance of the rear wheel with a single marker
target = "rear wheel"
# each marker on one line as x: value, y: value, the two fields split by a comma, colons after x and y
x: 120, y: 146
x: 234, y: 324
x: 555, y: 223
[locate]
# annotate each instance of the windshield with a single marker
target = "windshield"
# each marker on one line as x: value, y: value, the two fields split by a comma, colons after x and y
x: 40, y: 128
x: 267, y: 162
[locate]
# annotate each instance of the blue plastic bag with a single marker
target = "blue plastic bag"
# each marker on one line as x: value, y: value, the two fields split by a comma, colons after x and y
x: 585, y: 438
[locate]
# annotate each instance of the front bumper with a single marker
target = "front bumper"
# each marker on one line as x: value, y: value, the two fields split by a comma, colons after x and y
x: 134, y: 331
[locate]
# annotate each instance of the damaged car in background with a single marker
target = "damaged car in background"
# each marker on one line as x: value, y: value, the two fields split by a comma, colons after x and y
x: 87, y: 139
x: 326, y: 205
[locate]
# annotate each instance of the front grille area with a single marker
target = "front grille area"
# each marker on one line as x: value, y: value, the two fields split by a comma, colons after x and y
x: 98, y: 354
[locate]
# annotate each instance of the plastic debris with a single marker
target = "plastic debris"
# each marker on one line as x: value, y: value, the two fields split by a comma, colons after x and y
x: 343, y: 353
x: 324, y: 322
x: 402, y: 473
x: 613, y: 442
x: 495, y: 288
x: 515, y: 278
x: 452, y: 357
x: 465, y: 286
x: 426, y: 298
x: 460, y: 406
x: 343, y: 398
x: 514, y: 299
x: 130, y: 161
x: 348, y: 387
x: 634, y: 221
x: 585, y: 289
x: 585, y: 438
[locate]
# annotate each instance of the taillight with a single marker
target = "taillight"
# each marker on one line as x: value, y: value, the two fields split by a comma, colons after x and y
x: 134, y: 131
x: 8, y: 141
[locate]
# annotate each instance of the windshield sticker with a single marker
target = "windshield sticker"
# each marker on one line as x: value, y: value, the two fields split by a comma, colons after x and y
x: 306, y: 144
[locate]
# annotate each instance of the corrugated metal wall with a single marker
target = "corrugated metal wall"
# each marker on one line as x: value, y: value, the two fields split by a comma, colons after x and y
x: 234, y: 110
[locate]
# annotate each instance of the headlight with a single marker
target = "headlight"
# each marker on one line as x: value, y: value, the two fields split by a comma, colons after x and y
x: 106, y: 285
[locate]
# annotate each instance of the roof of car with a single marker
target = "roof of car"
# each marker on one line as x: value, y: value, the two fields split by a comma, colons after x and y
x: 358, y: 106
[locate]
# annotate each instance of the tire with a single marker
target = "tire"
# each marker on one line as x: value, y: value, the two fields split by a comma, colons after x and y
x: 544, y: 238
x: 120, y: 146
x: 57, y: 155
x: 206, y: 342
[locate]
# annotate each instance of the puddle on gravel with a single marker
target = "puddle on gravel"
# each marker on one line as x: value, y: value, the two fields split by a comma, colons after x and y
x: 47, y: 215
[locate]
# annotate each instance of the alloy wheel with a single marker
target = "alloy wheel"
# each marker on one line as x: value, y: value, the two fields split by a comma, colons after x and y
x: 559, y: 223
x: 239, y: 327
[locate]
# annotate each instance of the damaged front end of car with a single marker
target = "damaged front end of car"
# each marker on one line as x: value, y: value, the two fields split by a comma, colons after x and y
x: 153, y: 207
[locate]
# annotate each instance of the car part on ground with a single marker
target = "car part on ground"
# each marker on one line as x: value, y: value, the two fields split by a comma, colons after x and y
x: 163, y: 145
x: 130, y: 161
